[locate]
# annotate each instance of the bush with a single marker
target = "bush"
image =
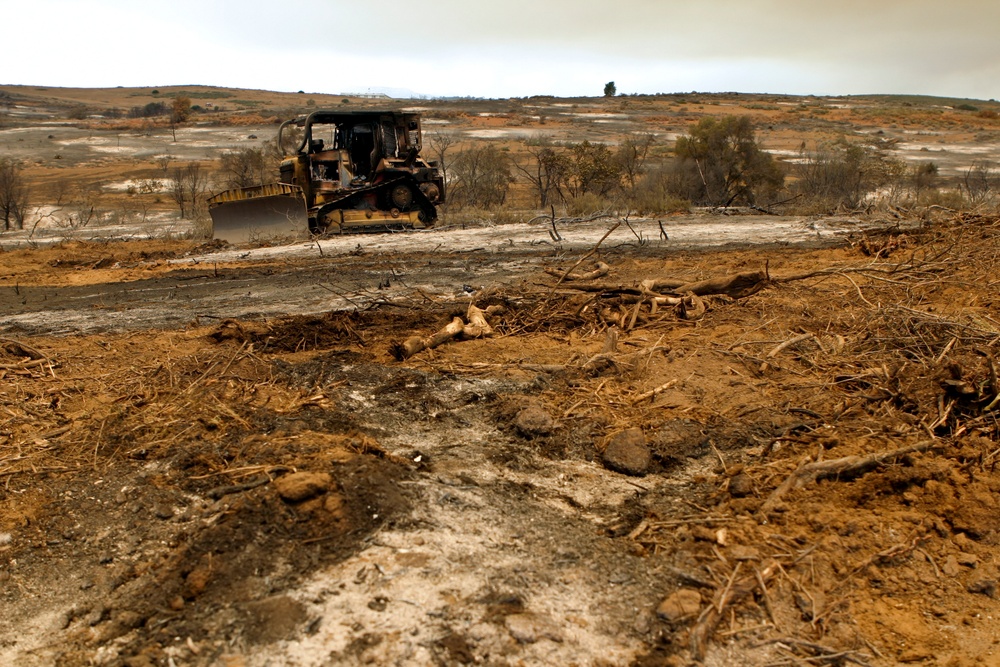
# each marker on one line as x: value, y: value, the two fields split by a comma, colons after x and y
x: 586, y: 204
x: 980, y: 183
x: 149, y: 110
x: 952, y: 199
x: 14, y: 195
x: 188, y: 188
x: 481, y: 177
x: 79, y: 112
x: 248, y: 166
x: 849, y: 176
x: 593, y: 169
x: 724, y: 164
x: 654, y: 197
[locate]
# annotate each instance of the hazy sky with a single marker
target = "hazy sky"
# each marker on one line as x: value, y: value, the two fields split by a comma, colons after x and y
x: 512, y: 47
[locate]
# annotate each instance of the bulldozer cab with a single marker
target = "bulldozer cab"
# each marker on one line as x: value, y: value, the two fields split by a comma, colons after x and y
x: 363, y: 139
x: 361, y: 146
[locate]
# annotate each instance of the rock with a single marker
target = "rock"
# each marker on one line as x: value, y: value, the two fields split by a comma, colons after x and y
x: 811, y: 607
x: 702, y: 534
x: 272, y: 619
x: 915, y: 655
x: 533, y: 421
x: 962, y: 541
x: 197, y: 580
x: 627, y: 453
x: 987, y: 587
x: 63, y: 620
x: 129, y: 619
x: 975, y: 513
x: 97, y: 615
x: 163, y: 511
x: 679, y: 439
x: 679, y: 605
x: 740, y: 486
x: 740, y: 552
x: 299, y: 486
x: 528, y: 628
x: 950, y: 566
x: 968, y: 560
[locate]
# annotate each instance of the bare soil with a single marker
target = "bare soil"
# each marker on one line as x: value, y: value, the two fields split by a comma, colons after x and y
x: 281, y: 490
x: 211, y: 455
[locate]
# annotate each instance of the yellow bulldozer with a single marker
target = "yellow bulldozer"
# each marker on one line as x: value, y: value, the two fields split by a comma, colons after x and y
x: 352, y: 171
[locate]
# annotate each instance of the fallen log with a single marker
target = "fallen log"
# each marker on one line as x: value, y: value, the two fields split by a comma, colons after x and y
x: 600, y: 270
x: 477, y: 327
x: 30, y: 356
x: 691, y: 307
x: 653, y: 300
x: 415, y: 344
x: 737, y: 286
x: 653, y: 392
x: 21, y: 349
x: 583, y: 259
x: 809, y: 473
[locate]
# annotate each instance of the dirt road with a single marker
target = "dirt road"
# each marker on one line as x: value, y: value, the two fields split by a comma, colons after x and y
x: 354, y: 271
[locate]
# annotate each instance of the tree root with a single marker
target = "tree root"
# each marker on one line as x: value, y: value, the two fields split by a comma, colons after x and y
x: 846, y: 466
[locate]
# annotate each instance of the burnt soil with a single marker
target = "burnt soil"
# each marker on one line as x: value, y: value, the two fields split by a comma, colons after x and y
x: 464, y: 507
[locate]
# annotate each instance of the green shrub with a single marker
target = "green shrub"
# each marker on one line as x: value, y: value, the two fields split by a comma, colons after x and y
x: 649, y: 201
x: 725, y: 165
x: 952, y: 199
x: 585, y: 204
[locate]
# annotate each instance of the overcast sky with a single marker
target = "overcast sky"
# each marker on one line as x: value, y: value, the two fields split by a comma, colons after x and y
x: 510, y: 48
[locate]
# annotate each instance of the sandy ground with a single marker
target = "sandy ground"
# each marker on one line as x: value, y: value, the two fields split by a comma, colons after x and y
x: 348, y: 271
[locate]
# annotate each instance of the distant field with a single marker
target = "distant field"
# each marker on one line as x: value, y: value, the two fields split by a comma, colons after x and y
x: 83, y: 147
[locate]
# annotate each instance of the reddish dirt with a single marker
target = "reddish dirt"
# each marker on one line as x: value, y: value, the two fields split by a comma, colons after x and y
x: 145, y: 517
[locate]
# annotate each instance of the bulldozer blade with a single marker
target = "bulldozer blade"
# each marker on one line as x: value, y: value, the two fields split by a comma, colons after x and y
x: 240, y: 220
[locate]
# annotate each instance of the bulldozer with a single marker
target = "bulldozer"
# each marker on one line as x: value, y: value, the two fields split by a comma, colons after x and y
x: 352, y: 171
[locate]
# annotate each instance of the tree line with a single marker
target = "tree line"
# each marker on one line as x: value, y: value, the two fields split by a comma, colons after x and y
x: 720, y: 162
